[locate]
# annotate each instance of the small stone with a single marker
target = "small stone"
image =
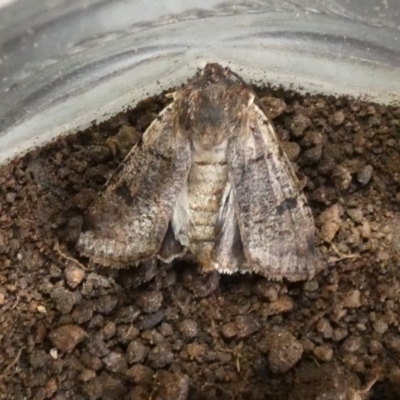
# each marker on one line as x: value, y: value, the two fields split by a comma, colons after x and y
x: 352, y: 344
x: 352, y: 299
x: 292, y: 150
x: 273, y: 106
x: 10, y: 197
x: 267, y: 290
x: 339, y: 334
x: 281, y: 305
x: 375, y: 347
x: 196, y: 351
x: 323, y: 352
x: 392, y: 342
x: 105, y: 304
x: 229, y: 330
x: 137, y: 352
x: 330, y: 222
x: 365, y: 174
x: 115, y: 362
x: 66, y: 337
x: 365, y: 230
x: 337, y: 118
x: 355, y: 214
x: 74, y: 275
x: 380, y: 326
x: 97, y: 347
x: 166, y: 330
x: 311, y: 156
x: 171, y: 386
x: 299, y: 124
x: 311, y: 139
x: 152, y: 320
x: 383, y: 255
x: 150, y: 301
x: 245, y: 326
x: 83, y: 312
x: 311, y: 286
x: 109, y: 330
x: 140, y: 374
x: 65, y: 299
x: 86, y: 375
x: 90, y: 361
x: 160, y: 356
x: 189, y: 328
x: 51, y: 387
x: 341, y: 177
x: 324, y: 327
x: 53, y: 354
x: 285, y: 352
x: 127, y: 314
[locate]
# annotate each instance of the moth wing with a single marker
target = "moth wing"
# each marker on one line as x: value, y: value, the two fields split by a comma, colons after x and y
x: 275, y: 223
x: 131, y: 217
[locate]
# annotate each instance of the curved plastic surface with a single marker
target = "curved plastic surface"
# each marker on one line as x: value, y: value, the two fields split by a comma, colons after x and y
x: 65, y: 63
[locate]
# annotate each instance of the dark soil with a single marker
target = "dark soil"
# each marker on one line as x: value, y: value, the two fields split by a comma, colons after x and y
x: 69, y: 330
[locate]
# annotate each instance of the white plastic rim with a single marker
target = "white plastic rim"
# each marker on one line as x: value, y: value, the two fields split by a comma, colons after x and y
x: 66, y: 63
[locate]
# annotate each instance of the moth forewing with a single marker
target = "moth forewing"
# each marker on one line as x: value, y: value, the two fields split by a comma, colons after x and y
x: 209, y: 182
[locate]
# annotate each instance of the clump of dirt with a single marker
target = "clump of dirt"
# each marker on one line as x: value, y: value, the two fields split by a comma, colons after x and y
x: 69, y: 330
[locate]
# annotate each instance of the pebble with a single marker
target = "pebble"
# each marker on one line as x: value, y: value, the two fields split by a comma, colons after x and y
x: 330, y: 222
x: 105, y: 304
x: 392, y: 342
x: 229, y: 330
x: 65, y: 299
x: 375, y: 347
x: 352, y: 299
x: 160, y: 356
x: 140, y: 373
x: 337, y: 118
x: 274, y: 106
x: 171, y: 386
x: 352, y: 344
x: 281, y: 305
x: 196, y: 351
x: 311, y: 286
x: 365, y: 230
x: 267, y: 290
x: 127, y: 315
x: 323, y: 352
x: 115, y: 362
x: 90, y: 361
x: 67, y: 337
x: 380, y: 326
x: 51, y: 387
x: 299, y: 124
x: 324, y: 327
x: 188, y: 328
x: 152, y: 320
x: 137, y: 352
x: 284, y: 353
x: 355, y: 214
x: 109, y: 330
x: 73, y: 275
x: 292, y: 150
x: 83, y: 312
x: 365, y: 174
x: 311, y: 156
x: 150, y: 301
x: 86, y: 375
x: 341, y: 177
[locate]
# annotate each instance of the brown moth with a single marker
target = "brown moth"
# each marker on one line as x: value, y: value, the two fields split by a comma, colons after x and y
x: 209, y: 182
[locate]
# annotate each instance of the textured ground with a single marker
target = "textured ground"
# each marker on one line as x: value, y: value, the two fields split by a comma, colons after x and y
x: 69, y: 330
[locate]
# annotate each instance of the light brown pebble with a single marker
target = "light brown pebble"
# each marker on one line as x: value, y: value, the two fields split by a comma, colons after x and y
x: 337, y: 118
x: 274, y: 106
x: 150, y: 301
x: 291, y: 149
x: 65, y: 338
x: 140, y: 373
x: 115, y: 362
x: 229, y: 330
x: 299, y: 124
x: 74, y: 275
x: 311, y: 286
x: 196, y: 351
x: 137, y: 352
x: 380, y: 326
x: 352, y: 299
x: 352, y: 344
x: 189, y: 328
x: 365, y: 230
x: 284, y: 353
x: 51, y: 387
x: 341, y: 177
x: 86, y: 375
x: 355, y: 214
x: 109, y: 330
x: 324, y: 327
x: 323, y: 352
x: 171, y: 386
x: 375, y: 347
x: 281, y: 305
x: 330, y: 222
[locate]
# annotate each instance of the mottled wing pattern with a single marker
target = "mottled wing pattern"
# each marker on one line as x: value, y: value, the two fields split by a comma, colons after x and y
x: 275, y: 223
x: 130, y: 218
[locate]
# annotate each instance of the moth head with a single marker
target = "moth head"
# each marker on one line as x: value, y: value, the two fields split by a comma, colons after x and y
x: 213, y: 106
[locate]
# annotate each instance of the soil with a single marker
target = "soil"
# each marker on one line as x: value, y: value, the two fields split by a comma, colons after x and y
x: 72, y: 330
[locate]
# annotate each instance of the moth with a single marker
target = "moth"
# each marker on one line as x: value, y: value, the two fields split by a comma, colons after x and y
x: 208, y: 182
